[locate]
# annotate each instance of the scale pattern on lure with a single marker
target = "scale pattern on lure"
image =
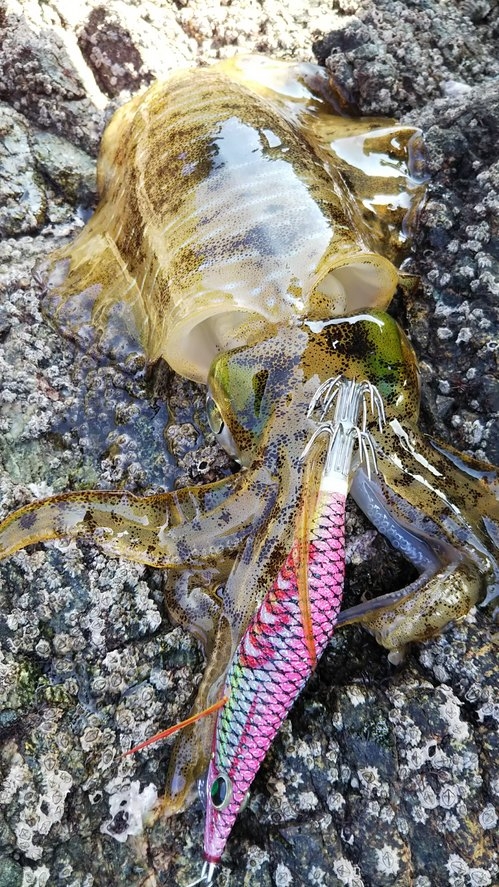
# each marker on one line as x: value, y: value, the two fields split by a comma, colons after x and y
x: 269, y: 670
x: 249, y: 235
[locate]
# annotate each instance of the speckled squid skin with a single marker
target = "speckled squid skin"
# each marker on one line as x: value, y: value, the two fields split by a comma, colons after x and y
x: 240, y: 221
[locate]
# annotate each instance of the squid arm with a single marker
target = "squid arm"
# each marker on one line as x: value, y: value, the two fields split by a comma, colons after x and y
x: 190, y: 526
x: 429, y: 528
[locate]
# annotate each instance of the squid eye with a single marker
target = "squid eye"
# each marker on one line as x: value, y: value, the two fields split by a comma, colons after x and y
x: 221, y: 791
x: 219, y: 428
x: 215, y: 419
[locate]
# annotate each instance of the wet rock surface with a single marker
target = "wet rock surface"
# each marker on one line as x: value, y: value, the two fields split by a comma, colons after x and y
x: 382, y: 775
x: 393, y: 56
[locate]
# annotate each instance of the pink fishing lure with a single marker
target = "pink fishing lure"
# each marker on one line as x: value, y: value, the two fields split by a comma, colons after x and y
x: 293, y: 624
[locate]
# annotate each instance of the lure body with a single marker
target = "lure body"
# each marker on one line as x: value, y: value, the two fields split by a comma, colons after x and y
x: 255, y: 249
x: 270, y: 668
x: 293, y: 624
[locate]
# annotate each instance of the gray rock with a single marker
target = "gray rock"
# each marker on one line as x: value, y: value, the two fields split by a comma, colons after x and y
x: 393, y: 56
x: 22, y: 195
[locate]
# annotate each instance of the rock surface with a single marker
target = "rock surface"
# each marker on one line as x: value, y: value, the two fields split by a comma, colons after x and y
x: 382, y: 775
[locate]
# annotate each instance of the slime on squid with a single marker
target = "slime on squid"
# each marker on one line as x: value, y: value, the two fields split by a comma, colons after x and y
x: 250, y: 236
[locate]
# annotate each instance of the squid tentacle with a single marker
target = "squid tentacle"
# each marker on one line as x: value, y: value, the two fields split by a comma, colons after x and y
x: 141, y: 528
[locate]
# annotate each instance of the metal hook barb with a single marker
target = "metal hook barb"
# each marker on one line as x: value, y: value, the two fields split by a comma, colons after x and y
x: 352, y: 402
x: 206, y: 876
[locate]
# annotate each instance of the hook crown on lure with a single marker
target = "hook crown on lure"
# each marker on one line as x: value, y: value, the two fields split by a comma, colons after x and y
x: 207, y: 875
x: 250, y: 236
x: 349, y: 397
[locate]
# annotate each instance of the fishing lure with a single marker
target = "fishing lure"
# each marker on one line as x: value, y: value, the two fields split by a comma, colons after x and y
x: 249, y: 235
x: 276, y: 656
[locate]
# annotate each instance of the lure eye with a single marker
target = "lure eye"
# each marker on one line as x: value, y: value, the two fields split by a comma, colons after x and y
x: 221, y: 791
x: 215, y: 419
